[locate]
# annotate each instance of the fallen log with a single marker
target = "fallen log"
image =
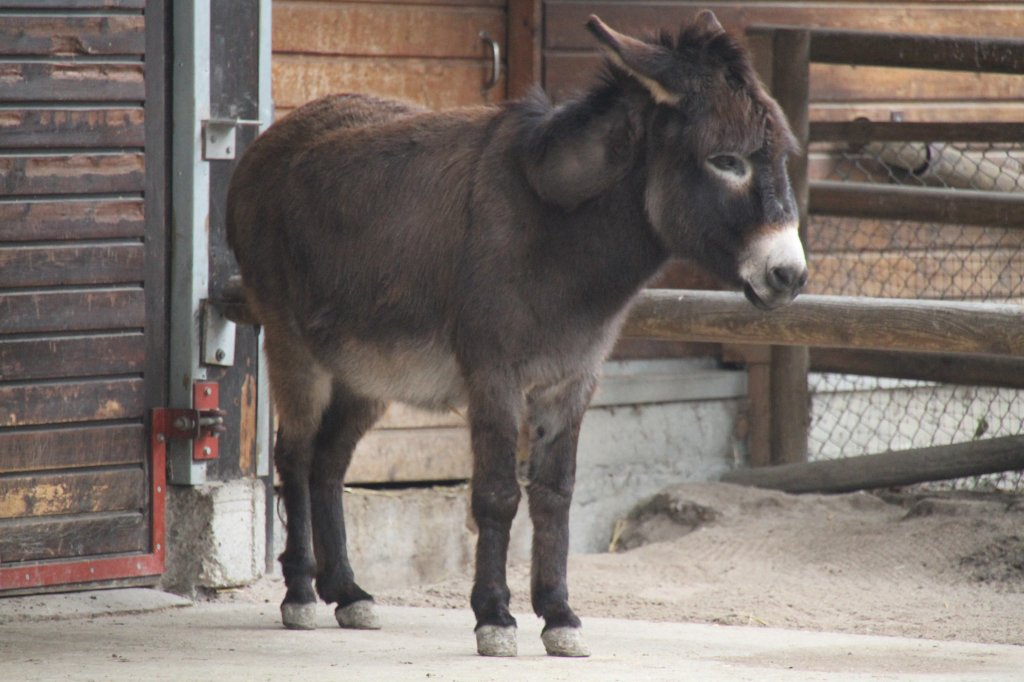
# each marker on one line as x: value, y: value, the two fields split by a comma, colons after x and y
x: 888, y: 469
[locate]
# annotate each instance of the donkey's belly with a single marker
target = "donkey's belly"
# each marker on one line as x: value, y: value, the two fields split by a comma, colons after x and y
x: 420, y: 374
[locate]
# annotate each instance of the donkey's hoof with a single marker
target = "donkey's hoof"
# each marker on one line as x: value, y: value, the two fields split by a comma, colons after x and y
x: 496, y: 640
x: 359, y: 615
x: 565, y: 641
x: 299, y: 616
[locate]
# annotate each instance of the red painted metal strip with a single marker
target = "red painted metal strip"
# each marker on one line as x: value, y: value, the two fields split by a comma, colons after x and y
x: 205, y: 397
x: 71, y: 572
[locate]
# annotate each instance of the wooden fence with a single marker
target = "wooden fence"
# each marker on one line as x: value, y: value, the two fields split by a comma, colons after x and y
x: 980, y: 343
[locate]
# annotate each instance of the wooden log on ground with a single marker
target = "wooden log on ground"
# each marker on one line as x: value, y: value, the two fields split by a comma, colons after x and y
x: 888, y: 469
x: 831, y: 321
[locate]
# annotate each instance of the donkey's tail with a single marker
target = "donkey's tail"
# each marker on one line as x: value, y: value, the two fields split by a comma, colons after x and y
x: 233, y: 305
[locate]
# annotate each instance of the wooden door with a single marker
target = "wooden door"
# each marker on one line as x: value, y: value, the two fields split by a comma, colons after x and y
x: 428, y: 51
x: 82, y: 347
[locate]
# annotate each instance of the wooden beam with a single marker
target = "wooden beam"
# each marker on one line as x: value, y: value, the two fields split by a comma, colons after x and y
x: 523, y: 46
x: 904, y: 50
x: 891, y: 202
x: 862, y: 131
x: 963, y: 370
x: 788, y: 392
x: 831, y: 321
x: 888, y: 469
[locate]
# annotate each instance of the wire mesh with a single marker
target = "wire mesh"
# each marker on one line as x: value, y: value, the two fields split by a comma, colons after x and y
x: 855, y: 415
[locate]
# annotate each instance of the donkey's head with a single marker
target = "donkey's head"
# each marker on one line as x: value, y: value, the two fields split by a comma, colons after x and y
x: 717, y: 188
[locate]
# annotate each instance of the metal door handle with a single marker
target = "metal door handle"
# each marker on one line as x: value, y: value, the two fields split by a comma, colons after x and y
x: 495, y: 61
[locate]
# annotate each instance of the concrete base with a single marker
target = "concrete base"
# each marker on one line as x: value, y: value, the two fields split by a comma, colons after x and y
x: 216, y: 536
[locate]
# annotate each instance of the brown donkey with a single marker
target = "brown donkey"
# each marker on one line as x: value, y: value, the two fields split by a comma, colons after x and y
x: 486, y: 257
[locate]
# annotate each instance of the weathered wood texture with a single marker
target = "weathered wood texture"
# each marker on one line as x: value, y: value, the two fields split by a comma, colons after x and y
x: 832, y: 321
x: 52, y: 494
x: 80, y: 163
x: 41, y: 220
x: 788, y: 392
x: 525, y: 26
x: 965, y: 370
x: 888, y: 469
x: 65, y: 127
x: 427, y: 52
x: 37, y: 539
x: 73, y: 310
x: 435, y: 83
x: 71, y: 356
x: 27, y: 450
x: 54, y: 35
x: 913, y: 203
x: 71, y: 401
x: 72, y: 82
x: 99, y: 173
x: 61, y: 265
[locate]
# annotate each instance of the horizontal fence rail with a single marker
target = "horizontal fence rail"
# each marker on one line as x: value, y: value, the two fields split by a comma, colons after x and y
x: 893, y: 202
x: 831, y: 321
x: 946, y: 53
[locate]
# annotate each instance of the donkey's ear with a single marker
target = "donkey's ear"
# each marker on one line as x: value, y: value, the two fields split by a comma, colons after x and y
x: 568, y: 163
x: 639, y: 59
x: 708, y: 22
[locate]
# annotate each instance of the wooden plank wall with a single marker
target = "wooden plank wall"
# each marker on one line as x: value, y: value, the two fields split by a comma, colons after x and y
x: 73, y: 261
x: 425, y: 51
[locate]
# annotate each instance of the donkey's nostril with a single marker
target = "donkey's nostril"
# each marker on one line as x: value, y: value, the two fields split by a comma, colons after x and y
x: 785, y: 278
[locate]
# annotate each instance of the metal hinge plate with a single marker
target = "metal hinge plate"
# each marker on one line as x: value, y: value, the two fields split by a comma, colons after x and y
x: 202, y: 424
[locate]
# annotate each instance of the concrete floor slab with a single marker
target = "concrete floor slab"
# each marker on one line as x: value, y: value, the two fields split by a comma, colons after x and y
x: 244, y: 641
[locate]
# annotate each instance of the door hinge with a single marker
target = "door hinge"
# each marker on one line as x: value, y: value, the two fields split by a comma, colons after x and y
x: 202, y: 424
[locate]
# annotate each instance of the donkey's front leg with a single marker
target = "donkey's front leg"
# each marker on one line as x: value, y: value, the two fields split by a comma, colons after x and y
x: 495, y: 409
x: 555, y: 415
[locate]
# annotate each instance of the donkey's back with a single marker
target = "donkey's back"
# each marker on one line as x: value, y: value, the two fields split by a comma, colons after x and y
x: 348, y: 219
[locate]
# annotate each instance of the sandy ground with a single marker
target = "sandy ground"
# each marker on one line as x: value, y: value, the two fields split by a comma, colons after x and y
x: 941, y: 566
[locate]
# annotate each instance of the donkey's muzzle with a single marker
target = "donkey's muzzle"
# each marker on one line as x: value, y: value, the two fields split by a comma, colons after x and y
x: 773, y: 268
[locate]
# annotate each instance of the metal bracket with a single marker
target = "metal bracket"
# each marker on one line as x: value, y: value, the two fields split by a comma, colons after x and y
x: 218, y: 337
x: 219, y: 137
x: 202, y: 425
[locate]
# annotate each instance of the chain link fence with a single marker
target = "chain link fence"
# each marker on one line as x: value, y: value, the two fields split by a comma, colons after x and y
x: 857, y: 415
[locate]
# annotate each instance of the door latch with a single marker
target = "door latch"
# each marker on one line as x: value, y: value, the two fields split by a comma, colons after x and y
x: 202, y: 424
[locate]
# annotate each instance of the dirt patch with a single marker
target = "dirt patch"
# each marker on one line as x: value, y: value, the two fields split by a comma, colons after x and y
x: 932, y: 565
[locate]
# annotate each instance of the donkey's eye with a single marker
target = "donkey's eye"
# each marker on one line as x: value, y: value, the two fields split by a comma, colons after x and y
x: 732, y: 170
x: 729, y: 163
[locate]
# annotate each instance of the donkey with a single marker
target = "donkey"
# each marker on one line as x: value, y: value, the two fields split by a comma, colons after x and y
x: 486, y: 257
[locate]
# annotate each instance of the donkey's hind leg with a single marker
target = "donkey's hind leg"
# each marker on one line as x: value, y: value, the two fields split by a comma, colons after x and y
x: 345, y: 421
x: 301, y: 393
x: 554, y: 418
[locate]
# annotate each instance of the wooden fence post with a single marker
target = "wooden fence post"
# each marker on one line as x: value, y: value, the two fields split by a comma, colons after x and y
x: 790, y: 399
x: 778, y: 399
